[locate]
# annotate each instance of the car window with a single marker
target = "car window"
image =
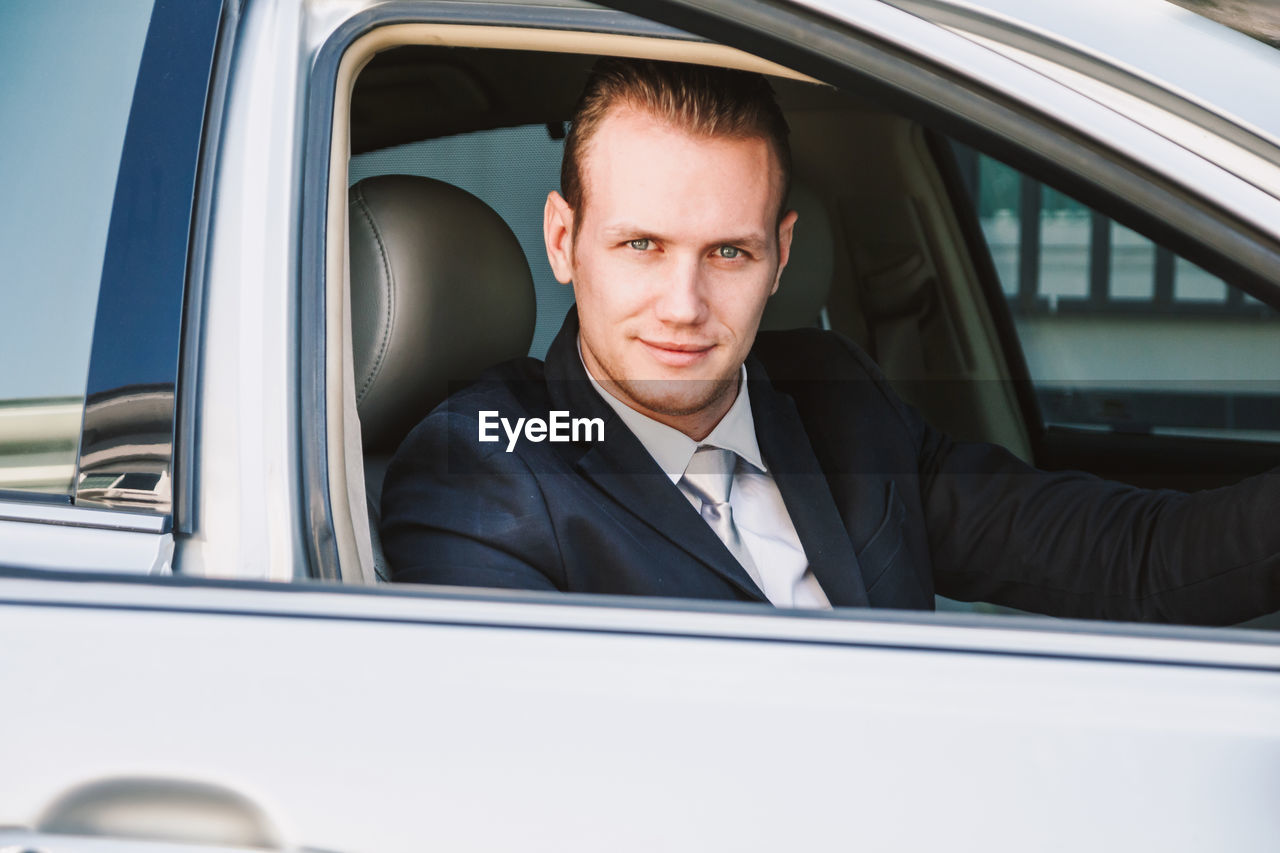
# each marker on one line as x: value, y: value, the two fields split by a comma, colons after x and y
x: 1121, y: 334
x: 69, y: 69
x: 511, y: 170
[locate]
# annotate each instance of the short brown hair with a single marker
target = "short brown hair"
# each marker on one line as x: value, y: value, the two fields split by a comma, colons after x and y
x: 699, y: 99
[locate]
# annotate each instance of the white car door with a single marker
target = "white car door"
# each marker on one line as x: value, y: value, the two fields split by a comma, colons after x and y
x: 402, y: 721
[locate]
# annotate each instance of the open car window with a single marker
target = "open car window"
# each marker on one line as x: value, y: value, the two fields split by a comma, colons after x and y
x: 881, y: 179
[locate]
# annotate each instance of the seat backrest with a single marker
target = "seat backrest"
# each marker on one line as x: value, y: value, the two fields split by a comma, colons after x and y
x: 440, y: 291
x: 806, y: 281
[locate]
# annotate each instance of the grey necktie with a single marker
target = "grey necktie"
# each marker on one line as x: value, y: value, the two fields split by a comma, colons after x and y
x: 709, y: 476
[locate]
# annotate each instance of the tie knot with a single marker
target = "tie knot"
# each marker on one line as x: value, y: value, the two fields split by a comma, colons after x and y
x: 710, y: 474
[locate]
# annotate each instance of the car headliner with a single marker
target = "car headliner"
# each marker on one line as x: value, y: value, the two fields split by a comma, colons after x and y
x: 1228, y: 74
x: 425, y: 91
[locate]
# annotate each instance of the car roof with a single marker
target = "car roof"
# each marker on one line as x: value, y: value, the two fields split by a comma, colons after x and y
x: 1205, y: 62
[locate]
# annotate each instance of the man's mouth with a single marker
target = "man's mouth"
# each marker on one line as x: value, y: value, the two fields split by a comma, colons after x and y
x: 677, y: 354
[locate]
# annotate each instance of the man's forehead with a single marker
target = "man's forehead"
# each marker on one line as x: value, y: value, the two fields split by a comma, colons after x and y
x: 624, y: 119
x: 653, y: 158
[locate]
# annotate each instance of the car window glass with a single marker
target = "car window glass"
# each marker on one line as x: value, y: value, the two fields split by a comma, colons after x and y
x: 511, y: 170
x: 69, y: 69
x: 1119, y: 333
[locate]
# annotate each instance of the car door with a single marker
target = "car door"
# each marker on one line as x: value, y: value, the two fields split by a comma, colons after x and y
x: 191, y: 710
x: 395, y: 721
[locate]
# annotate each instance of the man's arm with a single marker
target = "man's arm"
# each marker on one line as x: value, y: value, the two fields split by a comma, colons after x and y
x: 1071, y: 544
x: 457, y: 512
x: 1074, y: 545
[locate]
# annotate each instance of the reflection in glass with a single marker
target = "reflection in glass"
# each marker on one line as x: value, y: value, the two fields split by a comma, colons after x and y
x: 69, y: 69
x: 38, y: 444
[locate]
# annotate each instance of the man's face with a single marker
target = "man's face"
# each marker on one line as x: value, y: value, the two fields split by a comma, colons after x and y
x: 677, y: 249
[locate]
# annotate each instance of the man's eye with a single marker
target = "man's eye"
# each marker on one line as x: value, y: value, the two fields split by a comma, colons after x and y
x: 641, y: 245
x: 729, y: 252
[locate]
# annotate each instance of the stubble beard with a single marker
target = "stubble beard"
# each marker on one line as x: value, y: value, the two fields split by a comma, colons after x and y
x: 677, y: 397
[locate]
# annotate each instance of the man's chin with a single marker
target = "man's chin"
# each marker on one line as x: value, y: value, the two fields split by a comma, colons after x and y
x: 677, y: 397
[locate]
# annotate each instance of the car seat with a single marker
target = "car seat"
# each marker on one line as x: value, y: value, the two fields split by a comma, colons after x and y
x: 440, y: 291
x: 802, y: 294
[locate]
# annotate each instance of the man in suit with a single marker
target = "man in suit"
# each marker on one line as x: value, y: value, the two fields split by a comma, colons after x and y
x: 777, y: 467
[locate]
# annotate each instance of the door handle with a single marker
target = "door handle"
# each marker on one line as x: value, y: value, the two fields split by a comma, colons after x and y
x: 147, y: 815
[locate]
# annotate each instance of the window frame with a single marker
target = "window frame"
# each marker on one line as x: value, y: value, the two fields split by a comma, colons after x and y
x: 146, y: 261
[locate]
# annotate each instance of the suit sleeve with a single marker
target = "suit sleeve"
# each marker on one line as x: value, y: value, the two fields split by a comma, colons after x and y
x: 1071, y: 544
x: 459, y: 513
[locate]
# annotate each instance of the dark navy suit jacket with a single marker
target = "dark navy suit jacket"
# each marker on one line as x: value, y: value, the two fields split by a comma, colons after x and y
x: 889, y: 510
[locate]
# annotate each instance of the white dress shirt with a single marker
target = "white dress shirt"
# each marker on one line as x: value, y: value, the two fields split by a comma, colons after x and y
x: 758, y: 510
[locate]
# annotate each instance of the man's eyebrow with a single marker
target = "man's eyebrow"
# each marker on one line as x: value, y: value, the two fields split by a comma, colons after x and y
x: 754, y: 242
x: 627, y: 229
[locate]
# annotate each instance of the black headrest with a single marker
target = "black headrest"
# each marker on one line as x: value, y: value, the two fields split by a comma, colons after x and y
x: 806, y: 281
x: 440, y: 290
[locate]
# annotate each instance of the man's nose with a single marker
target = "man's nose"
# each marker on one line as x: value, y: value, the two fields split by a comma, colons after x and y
x: 682, y: 299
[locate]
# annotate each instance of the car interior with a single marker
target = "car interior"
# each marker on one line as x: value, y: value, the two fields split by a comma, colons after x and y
x: 453, y: 140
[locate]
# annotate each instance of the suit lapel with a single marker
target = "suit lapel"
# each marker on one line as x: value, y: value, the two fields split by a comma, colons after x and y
x: 785, y: 446
x: 625, y: 471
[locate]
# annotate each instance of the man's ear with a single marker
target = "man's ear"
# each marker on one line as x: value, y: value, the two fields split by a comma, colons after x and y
x: 785, y: 229
x: 557, y: 232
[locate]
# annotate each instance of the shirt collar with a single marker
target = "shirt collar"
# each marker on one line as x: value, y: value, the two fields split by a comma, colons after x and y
x: 672, y: 449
